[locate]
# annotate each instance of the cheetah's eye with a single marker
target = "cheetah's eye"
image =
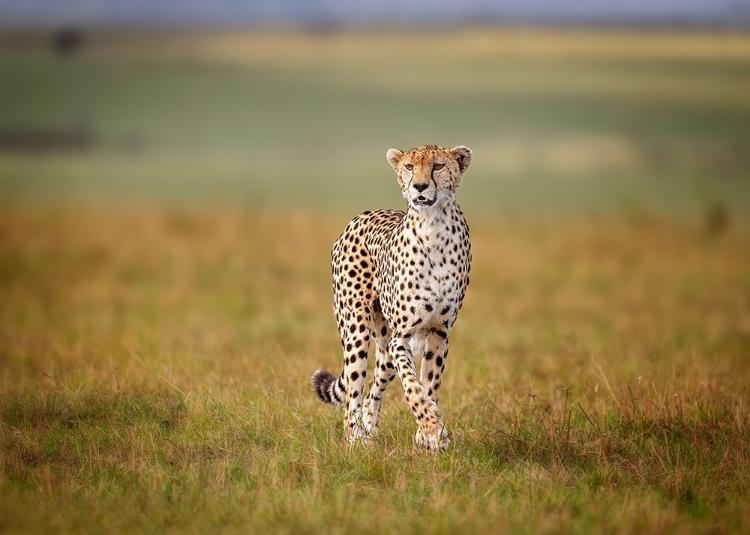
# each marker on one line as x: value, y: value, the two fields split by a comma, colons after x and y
x: 438, y: 166
x: 409, y: 166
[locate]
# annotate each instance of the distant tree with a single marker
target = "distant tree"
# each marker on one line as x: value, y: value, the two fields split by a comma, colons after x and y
x: 66, y: 41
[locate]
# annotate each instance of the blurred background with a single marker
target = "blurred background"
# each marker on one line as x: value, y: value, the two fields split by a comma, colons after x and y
x: 572, y: 108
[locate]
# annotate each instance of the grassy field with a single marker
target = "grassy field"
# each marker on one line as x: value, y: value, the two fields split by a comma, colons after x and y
x: 155, y: 368
x: 165, y: 288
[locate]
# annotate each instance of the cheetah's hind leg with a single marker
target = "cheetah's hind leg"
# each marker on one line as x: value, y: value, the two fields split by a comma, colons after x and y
x: 383, y: 374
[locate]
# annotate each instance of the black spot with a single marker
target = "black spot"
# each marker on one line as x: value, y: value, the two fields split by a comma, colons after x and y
x: 445, y: 310
x: 428, y: 308
x: 439, y: 362
x: 354, y: 376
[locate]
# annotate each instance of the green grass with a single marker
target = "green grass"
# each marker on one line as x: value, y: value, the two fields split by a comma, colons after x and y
x: 163, y: 462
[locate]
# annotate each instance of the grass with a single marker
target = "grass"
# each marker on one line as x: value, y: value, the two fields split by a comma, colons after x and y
x: 155, y: 368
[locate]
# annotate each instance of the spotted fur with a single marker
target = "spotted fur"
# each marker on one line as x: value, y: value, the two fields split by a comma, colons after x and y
x: 400, y: 278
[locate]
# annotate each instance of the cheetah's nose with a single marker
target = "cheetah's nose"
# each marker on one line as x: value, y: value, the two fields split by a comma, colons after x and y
x: 420, y: 187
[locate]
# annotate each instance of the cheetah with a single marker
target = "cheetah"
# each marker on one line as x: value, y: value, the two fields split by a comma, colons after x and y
x: 400, y: 278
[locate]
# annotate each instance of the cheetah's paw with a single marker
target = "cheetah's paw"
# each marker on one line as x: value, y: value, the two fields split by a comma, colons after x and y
x: 437, y: 441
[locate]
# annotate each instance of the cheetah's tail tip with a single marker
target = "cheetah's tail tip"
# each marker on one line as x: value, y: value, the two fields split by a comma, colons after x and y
x: 326, y: 386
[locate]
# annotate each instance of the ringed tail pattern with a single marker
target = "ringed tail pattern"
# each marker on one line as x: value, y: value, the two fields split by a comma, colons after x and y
x: 328, y: 387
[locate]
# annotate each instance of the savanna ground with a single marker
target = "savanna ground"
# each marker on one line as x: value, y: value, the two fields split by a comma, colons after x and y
x: 165, y: 294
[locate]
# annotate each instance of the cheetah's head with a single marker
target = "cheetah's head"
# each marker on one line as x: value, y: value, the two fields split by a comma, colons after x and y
x: 429, y: 175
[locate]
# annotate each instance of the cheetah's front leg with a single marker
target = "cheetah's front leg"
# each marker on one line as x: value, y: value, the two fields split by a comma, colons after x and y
x: 433, y: 363
x: 431, y: 432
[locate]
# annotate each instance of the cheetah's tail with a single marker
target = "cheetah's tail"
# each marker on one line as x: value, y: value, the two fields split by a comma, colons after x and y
x: 328, y: 387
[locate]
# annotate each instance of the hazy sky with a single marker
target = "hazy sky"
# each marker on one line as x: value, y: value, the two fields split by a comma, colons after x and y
x: 13, y: 12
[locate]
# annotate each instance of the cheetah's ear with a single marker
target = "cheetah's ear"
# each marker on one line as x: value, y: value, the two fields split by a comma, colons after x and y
x: 462, y: 155
x: 394, y: 158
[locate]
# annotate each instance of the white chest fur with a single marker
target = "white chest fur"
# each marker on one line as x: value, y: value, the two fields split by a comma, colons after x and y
x: 433, y: 275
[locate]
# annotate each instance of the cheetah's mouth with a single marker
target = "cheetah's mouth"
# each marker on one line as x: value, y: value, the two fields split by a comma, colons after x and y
x: 423, y: 201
